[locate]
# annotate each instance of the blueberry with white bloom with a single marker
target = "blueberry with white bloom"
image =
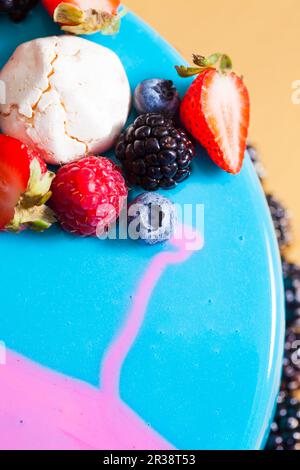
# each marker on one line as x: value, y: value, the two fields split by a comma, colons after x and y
x: 156, y: 96
x: 152, y: 218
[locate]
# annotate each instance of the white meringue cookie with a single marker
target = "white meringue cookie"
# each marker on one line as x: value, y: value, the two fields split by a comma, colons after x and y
x: 65, y: 95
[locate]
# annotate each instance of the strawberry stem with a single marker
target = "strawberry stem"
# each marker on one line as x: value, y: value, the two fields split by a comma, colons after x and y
x: 217, y: 61
x: 74, y: 20
x: 37, y: 218
x: 31, y: 210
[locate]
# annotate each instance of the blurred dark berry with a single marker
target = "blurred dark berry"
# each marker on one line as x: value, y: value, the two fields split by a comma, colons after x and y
x: 17, y: 10
x: 258, y: 166
x: 291, y: 278
x: 285, y: 430
x: 6, y: 5
x: 291, y: 362
x: 281, y: 221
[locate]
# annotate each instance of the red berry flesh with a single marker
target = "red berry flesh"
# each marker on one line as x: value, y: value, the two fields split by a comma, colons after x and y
x: 88, y: 195
x: 14, y: 176
x: 35, y: 155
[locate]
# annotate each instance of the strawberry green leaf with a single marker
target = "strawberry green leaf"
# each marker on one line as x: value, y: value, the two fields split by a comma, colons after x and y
x: 38, y: 218
x: 188, y: 71
x: 199, y: 60
x: 203, y: 63
x: 225, y: 63
x: 213, y: 59
x: 38, y: 189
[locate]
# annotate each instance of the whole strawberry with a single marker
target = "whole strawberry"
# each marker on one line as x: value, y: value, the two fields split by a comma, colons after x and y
x: 216, y: 110
x: 24, y: 188
x: 88, y: 195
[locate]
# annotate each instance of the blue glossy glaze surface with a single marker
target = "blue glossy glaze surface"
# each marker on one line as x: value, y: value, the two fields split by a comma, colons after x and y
x: 205, y: 369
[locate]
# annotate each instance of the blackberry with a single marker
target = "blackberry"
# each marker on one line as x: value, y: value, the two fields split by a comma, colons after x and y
x: 17, y: 10
x: 291, y: 278
x: 285, y: 430
x: 154, y: 153
x: 255, y: 159
x: 291, y: 362
x: 281, y: 221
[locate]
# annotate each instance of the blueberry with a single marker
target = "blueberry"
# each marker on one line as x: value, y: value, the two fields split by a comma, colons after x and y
x: 156, y: 96
x: 152, y: 218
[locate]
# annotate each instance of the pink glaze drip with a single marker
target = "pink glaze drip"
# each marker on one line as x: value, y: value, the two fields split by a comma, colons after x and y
x: 117, y: 352
x: 41, y: 409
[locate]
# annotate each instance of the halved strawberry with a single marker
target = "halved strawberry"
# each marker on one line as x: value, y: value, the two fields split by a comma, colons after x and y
x: 24, y: 187
x: 216, y: 111
x: 85, y: 16
x: 14, y: 176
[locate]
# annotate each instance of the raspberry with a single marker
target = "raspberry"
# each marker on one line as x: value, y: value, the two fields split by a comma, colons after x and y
x: 88, y: 195
x: 154, y: 154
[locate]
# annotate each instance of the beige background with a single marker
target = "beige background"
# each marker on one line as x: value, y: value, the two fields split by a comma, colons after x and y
x: 263, y: 39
